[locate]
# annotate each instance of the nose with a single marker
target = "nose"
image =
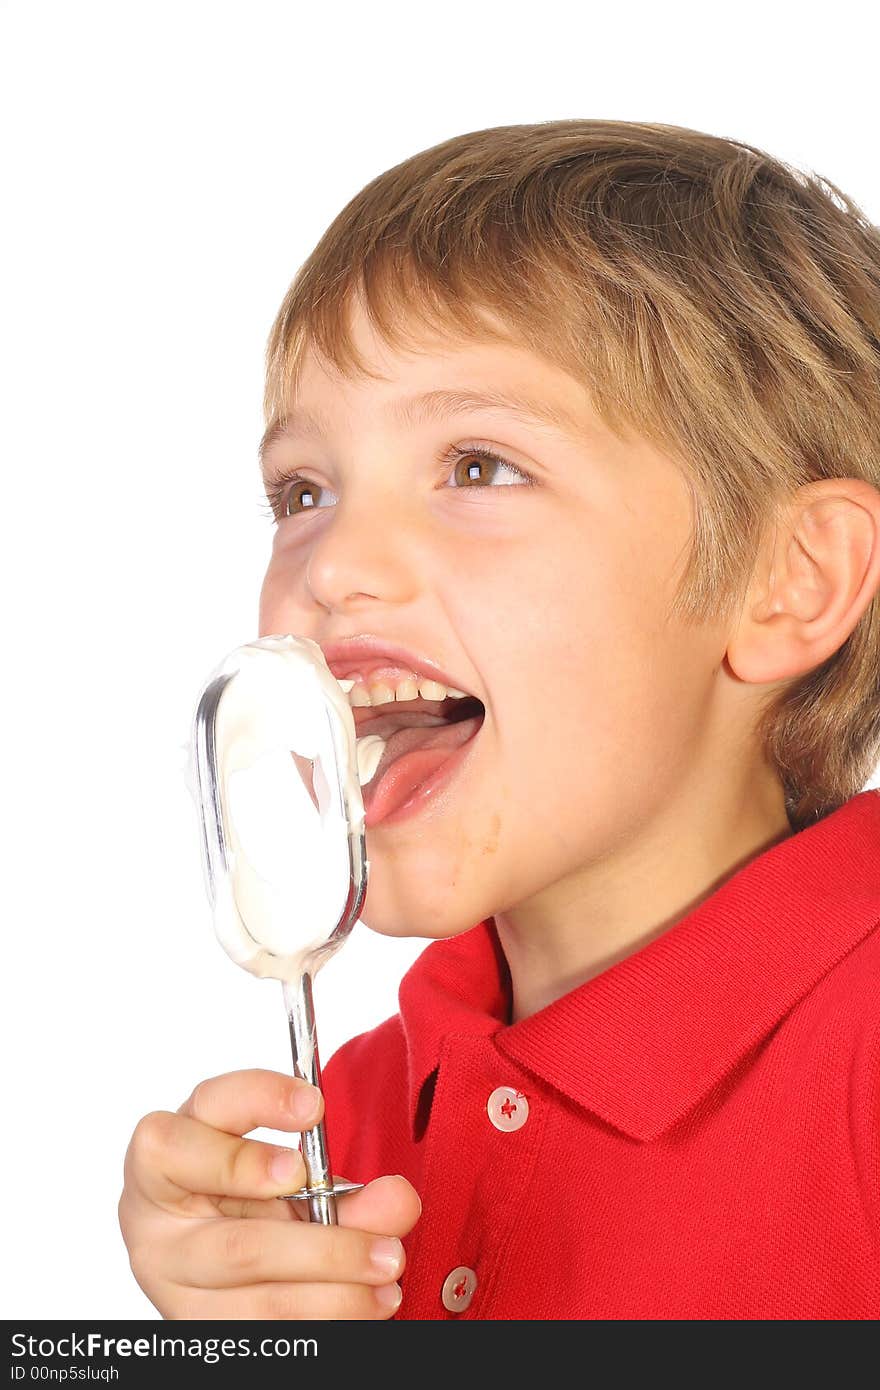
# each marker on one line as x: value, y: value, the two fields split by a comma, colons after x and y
x: 366, y: 550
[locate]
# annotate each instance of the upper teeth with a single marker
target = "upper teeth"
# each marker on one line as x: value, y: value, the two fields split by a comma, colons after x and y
x: 405, y: 687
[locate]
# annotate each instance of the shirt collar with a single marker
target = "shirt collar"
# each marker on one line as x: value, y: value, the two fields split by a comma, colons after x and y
x: 642, y: 1042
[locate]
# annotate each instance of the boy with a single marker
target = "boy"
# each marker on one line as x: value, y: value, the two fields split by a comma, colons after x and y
x: 644, y: 1084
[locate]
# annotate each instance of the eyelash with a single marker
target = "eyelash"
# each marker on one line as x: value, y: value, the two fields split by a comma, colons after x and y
x: 276, y: 490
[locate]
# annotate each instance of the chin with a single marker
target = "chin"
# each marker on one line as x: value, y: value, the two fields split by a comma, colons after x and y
x: 411, y: 925
x: 433, y: 893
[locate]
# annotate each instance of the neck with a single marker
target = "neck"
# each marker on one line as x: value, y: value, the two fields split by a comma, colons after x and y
x: 582, y: 925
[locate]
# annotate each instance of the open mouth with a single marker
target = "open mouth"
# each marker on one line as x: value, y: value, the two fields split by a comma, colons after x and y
x: 421, y: 747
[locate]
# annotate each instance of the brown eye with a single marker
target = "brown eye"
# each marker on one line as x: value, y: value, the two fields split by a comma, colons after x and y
x: 474, y: 468
x: 301, y: 494
x: 479, y: 467
x: 292, y: 495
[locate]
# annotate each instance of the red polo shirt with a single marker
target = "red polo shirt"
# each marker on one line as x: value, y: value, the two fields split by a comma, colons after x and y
x: 693, y: 1133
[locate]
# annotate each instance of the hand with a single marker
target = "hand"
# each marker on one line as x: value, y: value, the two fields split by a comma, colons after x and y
x: 207, y: 1236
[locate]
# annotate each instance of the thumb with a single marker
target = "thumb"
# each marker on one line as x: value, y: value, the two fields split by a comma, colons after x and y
x: 387, y: 1206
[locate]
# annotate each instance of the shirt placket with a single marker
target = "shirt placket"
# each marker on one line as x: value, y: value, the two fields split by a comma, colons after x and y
x: 482, y: 1145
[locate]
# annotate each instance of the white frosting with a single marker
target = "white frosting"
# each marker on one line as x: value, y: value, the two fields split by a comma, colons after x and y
x: 369, y: 754
x: 289, y: 870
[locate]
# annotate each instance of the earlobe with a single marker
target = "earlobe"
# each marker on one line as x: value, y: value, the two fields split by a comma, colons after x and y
x: 815, y: 577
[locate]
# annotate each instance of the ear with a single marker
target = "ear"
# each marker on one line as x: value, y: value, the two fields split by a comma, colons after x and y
x: 817, y: 572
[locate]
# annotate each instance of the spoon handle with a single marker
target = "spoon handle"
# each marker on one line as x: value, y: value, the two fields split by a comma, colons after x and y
x: 306, y: 1064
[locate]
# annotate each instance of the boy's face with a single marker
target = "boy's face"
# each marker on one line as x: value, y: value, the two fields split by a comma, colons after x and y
x: 548, y: 602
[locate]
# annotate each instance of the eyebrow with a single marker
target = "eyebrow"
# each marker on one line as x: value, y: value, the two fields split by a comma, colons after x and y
x: 431, y: 406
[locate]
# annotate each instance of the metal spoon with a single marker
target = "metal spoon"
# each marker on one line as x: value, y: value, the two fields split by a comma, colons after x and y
x: 284, y: 919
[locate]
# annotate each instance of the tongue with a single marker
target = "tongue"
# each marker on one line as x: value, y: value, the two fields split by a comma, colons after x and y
x: 434, y: 745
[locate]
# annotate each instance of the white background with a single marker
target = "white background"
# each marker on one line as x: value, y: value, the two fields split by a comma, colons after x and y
x: 166, y: 167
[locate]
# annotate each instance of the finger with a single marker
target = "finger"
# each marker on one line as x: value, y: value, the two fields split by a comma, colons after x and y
x: 287, y: 1302
x: 388, y: 1206
x: 171, y: 1156
x: 239, y: 1101
x: 259, y: 1208
x: 228, y: 1254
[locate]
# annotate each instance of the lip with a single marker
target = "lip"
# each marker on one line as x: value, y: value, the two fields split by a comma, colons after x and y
x: 361, y: 654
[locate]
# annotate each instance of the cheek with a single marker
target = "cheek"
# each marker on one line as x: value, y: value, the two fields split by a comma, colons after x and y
x: 275, y: 597
x: 267, y: 609
x: 595, y: 670
x: 616, y: 734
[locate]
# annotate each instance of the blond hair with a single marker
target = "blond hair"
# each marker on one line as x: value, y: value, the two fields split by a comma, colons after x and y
x: 713, y: 300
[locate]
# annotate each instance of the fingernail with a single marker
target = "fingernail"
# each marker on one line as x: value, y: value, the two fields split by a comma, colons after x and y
x: 389, y: 1295
x: 284, y: 1167
x: 386, y: 1255
x: 304, y: 1104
